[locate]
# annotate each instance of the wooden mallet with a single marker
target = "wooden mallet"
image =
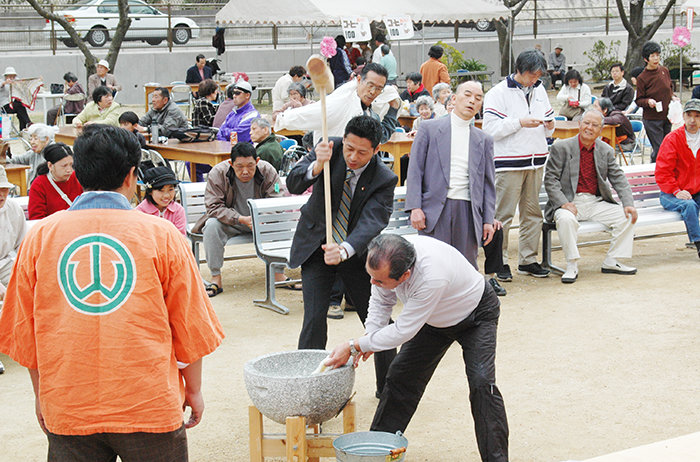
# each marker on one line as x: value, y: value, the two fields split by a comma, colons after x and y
x: 322, y: 77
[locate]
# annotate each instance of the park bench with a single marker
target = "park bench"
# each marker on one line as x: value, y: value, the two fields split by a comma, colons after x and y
x: 463, y: 76
x: 263, y: 82
x: 274, y: 223
x: 645, y: 192
x: 192, y: 200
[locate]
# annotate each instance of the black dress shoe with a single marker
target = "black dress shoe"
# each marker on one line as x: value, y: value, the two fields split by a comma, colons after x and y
x: 500, y: 291
x: 504, y: 275
x: 533, y: 269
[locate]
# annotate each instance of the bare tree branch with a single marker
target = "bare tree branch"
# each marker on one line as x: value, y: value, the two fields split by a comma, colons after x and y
x: 624, y: 19
x: 63, y: 22
x: 90, y: 59
x: 519, y: 8
x: 654, y: 26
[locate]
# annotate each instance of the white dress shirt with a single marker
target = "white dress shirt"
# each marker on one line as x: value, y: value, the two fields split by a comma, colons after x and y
x: 442, y: 290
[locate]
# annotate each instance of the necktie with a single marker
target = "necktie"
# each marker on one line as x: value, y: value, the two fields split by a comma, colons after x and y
x: 340, y: 224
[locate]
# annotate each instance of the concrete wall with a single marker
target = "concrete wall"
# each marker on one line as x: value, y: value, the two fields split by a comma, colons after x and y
x: 139, y: 67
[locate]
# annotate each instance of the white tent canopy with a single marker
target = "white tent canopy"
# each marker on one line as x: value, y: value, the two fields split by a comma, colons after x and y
x: 320, y: 12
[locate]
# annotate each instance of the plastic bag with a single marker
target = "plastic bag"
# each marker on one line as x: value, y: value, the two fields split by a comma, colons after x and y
x: 675, y: 112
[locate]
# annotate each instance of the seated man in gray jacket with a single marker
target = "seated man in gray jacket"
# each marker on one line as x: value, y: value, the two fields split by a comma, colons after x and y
x: 229, y: 186
x: 163, y: 112
x: 576, y: 180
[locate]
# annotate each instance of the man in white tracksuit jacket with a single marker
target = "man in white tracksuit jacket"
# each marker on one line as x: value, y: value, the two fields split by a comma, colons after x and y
x: 518, y: 115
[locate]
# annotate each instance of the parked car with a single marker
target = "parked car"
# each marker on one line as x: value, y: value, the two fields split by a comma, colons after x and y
x: 96, y: 20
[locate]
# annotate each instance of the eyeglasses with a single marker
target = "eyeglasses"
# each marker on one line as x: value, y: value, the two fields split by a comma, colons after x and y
x: 372, y: 87
x: 236, y: 92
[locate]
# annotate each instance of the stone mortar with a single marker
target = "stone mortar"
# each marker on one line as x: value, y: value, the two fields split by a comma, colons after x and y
x: 281, y: 385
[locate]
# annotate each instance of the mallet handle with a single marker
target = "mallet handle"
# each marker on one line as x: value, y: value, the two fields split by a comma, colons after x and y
x: 326, y: 171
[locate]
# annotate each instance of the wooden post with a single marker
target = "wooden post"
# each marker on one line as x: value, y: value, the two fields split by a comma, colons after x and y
x: 296, y: 439
x: 170, y: 28
x: 53, y: 34
x: 256, y: 434
x: 349, y: 418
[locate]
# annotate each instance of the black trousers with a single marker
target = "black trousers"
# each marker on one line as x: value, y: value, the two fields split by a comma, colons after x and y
x: 317, y: 282
x: 18, y: 108
x: 656, y: 132
x: 130, y: 447
x: 493, y: 252
x: 338, y: 293
x: 413, y: 367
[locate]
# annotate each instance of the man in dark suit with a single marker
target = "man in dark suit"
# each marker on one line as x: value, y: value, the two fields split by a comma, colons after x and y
x: 362, y: 196
x: 200, y: 71
x: 450, y: 187
x: 576, y: 180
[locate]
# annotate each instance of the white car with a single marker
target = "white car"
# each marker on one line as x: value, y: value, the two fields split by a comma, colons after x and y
x: 96, y: 21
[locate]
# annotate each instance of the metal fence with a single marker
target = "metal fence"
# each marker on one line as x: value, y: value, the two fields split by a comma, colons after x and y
x: 21, y: 28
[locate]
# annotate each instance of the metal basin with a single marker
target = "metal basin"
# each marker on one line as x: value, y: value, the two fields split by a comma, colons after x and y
x: 370, y: 447
x: 281, y: 385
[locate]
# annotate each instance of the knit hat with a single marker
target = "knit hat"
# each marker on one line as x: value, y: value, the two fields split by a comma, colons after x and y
x: 157, y: 177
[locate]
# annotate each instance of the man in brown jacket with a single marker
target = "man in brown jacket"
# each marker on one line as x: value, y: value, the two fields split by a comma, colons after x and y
x: 229, y: 186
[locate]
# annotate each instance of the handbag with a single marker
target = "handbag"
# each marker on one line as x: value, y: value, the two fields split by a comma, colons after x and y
x: 196, y: 134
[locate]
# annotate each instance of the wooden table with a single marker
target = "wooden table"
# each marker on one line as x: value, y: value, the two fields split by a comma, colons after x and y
x: 66, y: 134
x: 17, y: 174
x: 288, y: 133
x: 569, y: 128
x: 148, y: 89
x: 406, y: 122
x: 398, y: 145
x: 206, y: 152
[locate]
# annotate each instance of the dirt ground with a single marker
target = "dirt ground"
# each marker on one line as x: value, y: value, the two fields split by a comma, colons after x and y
x: 607, y: 363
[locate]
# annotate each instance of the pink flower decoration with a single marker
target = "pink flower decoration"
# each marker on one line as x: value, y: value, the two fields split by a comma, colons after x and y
x: 681, y: 36
x: 328, y: 47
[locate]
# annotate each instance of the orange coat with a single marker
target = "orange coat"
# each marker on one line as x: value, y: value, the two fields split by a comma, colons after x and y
x: 434, y: 72
x: 104, y: 303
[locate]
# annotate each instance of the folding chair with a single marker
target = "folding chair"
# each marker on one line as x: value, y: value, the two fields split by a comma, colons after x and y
x: 181, y: 95
x: 67, y: 118
x: 290, y: 157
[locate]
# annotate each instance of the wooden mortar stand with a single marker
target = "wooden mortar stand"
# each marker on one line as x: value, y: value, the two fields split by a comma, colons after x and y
x: 296, y: 444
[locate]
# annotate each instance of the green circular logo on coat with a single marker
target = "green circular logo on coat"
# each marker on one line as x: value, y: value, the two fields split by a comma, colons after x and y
x: 96, y: 273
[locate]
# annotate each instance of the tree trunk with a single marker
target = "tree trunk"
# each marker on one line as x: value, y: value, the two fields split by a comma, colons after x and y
x: 504, y: 45
x: 638, y: 33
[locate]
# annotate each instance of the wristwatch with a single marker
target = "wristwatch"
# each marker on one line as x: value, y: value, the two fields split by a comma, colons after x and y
x: 353, y: 351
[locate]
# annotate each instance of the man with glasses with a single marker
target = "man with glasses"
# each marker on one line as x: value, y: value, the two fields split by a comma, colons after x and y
x: 241, y: 116
x: 576, y: 179
x: 347, y: 101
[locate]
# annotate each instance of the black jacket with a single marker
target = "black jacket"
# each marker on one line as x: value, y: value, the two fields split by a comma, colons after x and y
x: 370, y: 209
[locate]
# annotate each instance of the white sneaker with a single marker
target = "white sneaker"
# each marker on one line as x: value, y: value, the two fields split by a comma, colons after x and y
x: 617, y: 268
x: 335, y: 312
x: 571, y: 273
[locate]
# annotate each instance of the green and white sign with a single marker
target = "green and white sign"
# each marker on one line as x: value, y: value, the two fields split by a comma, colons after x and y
x: 96, y: 274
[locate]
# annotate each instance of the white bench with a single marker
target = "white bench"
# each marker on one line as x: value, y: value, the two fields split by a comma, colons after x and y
x: 263, y: 82
x: 645, y: 192
x: 192, y: 199
x: 274, y: 223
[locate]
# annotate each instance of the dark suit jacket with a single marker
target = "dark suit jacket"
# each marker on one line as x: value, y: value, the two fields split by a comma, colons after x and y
x: 429, y: 173
x: 562, y: 169
x: 193, y: 74
x: 370, y: 209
